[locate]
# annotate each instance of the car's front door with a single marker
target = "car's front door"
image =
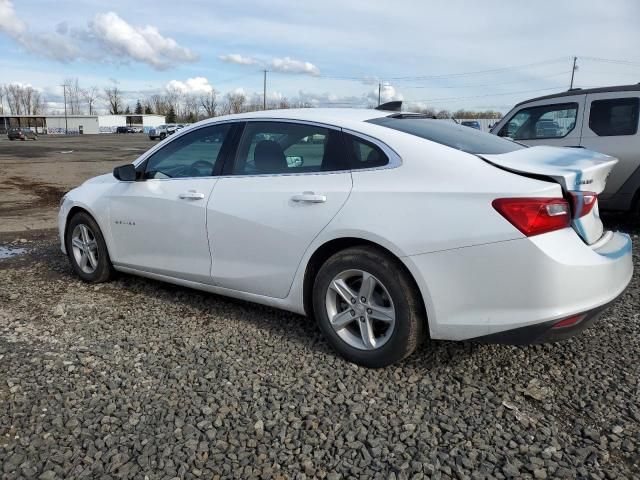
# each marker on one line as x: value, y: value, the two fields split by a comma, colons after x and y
x: 287, y: 182
x: 556, y: 123
x: 158, y: 223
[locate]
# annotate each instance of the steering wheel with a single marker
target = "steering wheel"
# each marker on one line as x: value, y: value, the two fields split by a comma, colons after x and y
x: 193, y: 168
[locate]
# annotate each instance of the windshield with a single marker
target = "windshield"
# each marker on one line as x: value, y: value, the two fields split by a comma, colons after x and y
x: 450, y: 134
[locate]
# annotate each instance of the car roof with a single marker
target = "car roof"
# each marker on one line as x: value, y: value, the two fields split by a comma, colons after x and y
x: 341, y: 117
x: 584, y: 91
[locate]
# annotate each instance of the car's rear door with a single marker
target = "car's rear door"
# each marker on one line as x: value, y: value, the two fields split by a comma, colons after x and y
x: 612, y: 128
x: 288, y: 180
x: 158, y: 224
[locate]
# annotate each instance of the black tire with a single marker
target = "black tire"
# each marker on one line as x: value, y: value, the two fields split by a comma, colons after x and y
x: 163, y: 136
x: 104, y: 270
x: 410, y: 322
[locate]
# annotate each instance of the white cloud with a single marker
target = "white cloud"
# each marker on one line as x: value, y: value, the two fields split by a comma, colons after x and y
x: 238, y: 59
x: 9, y: 21
x: 289, y: 65
x: 282, y: 65
x: 107, y: 38
x: 388, y: 93
x: 144, y: 44
x: 191, y: 85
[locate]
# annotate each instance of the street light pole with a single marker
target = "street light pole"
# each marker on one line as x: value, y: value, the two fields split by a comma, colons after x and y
x: 573, y: 71
x: 66, y: 125
x: 379, y: 90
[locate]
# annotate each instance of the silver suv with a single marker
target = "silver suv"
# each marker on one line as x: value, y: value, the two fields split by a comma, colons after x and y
x: 161, y: 132
x: 601, y: 119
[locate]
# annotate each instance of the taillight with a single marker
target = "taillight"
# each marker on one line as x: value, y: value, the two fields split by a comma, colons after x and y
x: 533, y: 216
x: 582, y: 203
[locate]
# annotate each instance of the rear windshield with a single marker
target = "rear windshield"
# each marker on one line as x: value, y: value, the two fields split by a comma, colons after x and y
x: 450, y: 134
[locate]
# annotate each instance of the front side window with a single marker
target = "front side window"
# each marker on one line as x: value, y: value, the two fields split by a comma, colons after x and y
x: 547, y: 121
x: 192, y: 155
x: 615, y: 116
x: 285, y: 147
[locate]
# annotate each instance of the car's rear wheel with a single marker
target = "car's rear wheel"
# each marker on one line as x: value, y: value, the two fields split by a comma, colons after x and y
x: 162, y: 136
x: 87, y: 249
x: 368, y: 307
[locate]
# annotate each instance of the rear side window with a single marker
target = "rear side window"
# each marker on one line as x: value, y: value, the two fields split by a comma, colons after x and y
x: 537, y: 123
x: 615, y: 116
x: 269, y: 148
x: 450, y: 134
x: 365, y: 154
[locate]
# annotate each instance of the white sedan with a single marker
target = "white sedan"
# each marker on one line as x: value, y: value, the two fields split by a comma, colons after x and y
x: 386, y: 227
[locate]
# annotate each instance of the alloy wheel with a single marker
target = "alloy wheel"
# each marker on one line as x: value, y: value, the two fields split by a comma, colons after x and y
x: 85, y: 248
x: 360, y: 309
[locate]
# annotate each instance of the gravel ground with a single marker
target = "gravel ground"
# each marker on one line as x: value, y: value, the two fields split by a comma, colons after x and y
x: 138, y: 379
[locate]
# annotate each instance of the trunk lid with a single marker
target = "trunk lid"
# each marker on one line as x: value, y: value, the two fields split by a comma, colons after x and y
x: 575, y: 169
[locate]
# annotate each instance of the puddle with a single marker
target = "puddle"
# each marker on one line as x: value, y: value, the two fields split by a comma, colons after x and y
x: 8, y: 252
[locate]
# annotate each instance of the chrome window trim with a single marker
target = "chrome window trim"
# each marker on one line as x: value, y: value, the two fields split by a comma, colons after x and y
x: 394, y: 159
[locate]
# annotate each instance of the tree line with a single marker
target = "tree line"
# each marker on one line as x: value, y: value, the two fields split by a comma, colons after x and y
x: 175, y: 105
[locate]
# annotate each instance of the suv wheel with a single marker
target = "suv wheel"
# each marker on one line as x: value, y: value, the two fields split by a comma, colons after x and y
x: 87, y: 249
x: 367, y: 307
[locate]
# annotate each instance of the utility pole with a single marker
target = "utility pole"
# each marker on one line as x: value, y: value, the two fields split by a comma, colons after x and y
x: 264, y: 92
x: 379, y: 91
x: 66, y: 126
x: 573, y: 71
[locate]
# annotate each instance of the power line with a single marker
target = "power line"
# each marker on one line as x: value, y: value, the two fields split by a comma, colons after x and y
x: 446, y: 75
x: 493, y: 84
x: 610, y: 60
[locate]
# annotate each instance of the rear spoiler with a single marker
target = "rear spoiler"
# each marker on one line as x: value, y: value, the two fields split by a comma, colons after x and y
x: 394, y: 106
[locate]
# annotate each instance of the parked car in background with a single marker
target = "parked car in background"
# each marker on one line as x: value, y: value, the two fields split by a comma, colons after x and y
x: 391, y: 227
x: 161, y: 132
x: 137, y: 130
x: 125, y: 130
x: 21, y: 134
x: 601, y: 119
x: 471, y: 123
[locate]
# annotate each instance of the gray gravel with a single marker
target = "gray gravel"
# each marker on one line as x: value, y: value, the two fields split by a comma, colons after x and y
x: 137, y: 379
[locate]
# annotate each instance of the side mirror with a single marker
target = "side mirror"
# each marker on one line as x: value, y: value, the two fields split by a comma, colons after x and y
x: 125, y: 173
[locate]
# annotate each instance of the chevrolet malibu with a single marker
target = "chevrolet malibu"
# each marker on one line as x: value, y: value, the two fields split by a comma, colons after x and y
x: 386, y: 227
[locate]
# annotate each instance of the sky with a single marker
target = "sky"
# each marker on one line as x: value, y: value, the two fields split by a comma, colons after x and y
x: 477, y: 55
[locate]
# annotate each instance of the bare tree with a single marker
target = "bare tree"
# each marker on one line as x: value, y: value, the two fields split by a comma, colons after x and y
x: 114, y: 97
x: 235, y: 102
x: 38, y: 105
x: 90, y: 96
x: 2, y: 95
x: 74, y: 96
x: 210, y: 103
x: 14, y: 95
x: 158, y: 104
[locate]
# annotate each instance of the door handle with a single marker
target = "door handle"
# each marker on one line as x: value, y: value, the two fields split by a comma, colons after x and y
x: 191, y: 195
x: 309, y: 197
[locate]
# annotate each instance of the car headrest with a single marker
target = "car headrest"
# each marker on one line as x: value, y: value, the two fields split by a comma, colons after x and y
x: 269, y: 157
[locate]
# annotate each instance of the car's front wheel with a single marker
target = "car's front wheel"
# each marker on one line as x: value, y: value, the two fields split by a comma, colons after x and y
x: 368, y: 307
x: 87, y: 249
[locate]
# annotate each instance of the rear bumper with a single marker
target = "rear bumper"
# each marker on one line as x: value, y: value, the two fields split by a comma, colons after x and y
x: 543, y: 332
x: 526, y: 284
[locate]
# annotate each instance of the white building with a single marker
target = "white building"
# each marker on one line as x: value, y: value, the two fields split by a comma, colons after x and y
x: 78, y: 124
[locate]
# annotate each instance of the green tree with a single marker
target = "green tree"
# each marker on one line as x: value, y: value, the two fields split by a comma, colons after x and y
x: 127, y: 111
x: 171, y: 115
x: 138, y: 109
